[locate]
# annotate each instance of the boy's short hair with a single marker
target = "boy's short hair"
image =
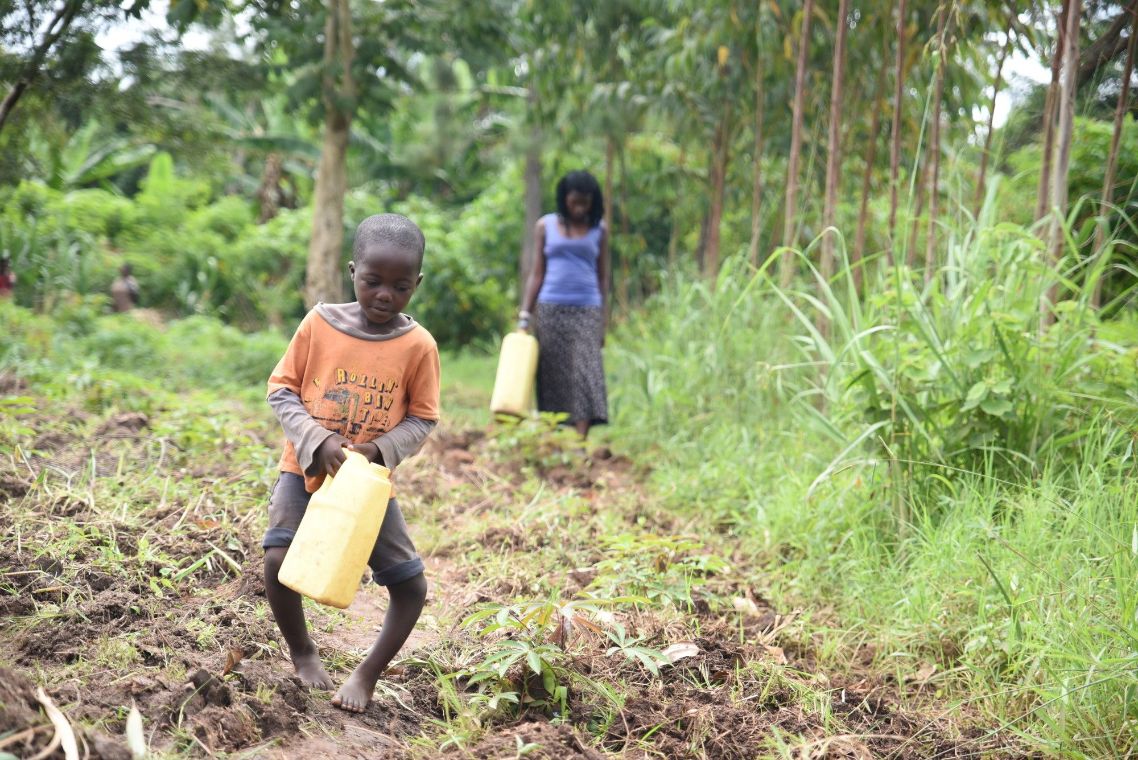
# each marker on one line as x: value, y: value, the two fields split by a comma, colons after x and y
x: 395, y: 229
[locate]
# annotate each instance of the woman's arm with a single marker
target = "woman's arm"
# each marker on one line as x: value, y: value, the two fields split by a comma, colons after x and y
x: 536, y: 273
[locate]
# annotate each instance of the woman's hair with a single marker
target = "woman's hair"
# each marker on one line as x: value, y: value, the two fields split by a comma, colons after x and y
x: 581, y: 182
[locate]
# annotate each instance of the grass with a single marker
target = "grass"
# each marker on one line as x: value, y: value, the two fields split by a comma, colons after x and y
x: 952, y: 481
x: 929, y: 491
x: 468, y: 378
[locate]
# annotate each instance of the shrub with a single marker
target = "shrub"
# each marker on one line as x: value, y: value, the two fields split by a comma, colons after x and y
x: 96, y: 212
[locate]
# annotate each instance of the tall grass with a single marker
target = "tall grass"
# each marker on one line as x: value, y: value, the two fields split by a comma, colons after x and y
x: 951, y: 475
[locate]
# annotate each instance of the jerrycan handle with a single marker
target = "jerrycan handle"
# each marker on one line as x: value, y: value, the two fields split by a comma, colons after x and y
x: 349, y: 454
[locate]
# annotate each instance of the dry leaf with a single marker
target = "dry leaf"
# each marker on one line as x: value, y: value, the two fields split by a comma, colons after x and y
x: 605, y: 617
x: 583, y: 576
x: 925, y: 674
x: 233, y: 658
x: 746, y: 606
x: 62, y: 727
x: 135, y: 738
x: 777, y: 654
x: 564, y: 631
x: 680, y: 650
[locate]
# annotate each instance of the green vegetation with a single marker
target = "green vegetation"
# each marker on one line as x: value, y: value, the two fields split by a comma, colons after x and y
x: 869, y: 487
x: 954, y: 483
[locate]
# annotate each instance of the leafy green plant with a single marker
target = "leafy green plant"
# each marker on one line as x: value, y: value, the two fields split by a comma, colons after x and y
x: 541, y: 441
x: 533, y: 637
x: 630, y: 649
x: 661, y: 569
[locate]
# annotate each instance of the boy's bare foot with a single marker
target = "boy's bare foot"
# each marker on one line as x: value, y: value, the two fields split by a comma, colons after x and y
x: 311, y: 670
x: 355, y: 694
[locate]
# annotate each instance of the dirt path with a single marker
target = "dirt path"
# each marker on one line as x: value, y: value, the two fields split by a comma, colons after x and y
x: 106, y: 610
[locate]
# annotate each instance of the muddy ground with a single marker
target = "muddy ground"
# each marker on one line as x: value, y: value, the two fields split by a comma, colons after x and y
x: 102, y: 606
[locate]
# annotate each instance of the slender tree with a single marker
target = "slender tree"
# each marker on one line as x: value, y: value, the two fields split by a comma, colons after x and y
x: 757, y: 150
x: 858, y: 252
x: 985, y: 155
x: 55, y: 29
x: 532, y: 187
x: 895, y: 133
x: 324, y: 278
x: 916, y: 212
x: 720, y: 153
x: 833, y: 150
x: 1063, y: 131
x: 789, y: 221
x: 1112, y: 157
x: 934, y: 145
x: 1049, y: 112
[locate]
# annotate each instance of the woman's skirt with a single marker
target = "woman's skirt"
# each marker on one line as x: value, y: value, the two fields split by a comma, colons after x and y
x: 570, y: 371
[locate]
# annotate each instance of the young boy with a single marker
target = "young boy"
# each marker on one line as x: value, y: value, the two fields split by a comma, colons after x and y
x: 362, y: 376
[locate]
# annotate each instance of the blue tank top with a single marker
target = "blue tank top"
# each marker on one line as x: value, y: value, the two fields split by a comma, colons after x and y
x: 570, y: 266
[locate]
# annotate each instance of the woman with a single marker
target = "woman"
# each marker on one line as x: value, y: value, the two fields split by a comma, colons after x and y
x: 569, y: 284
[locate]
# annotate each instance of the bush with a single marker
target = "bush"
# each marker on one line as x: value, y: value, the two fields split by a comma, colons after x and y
x: 197, y: 352
x: 96, y: 212
x: 200, y: 351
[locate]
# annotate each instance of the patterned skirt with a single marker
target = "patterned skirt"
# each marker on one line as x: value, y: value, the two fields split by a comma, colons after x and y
x: 570, y: 371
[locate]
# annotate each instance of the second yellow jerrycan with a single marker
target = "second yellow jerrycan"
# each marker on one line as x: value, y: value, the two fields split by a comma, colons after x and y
x: 330, y: 551
x: 517, y: 369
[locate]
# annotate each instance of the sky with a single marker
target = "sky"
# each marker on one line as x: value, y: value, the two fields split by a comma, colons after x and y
x: 1021, y: 72
x: 127, y: 33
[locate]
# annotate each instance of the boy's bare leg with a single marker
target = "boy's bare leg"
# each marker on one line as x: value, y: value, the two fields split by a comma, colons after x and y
x: 289, y: 614
x: 582, y: 428
x: 407, y: 600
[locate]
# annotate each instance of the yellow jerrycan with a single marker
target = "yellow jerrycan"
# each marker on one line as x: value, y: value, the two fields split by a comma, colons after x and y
x: 517, y: 369
x: 332, y: 545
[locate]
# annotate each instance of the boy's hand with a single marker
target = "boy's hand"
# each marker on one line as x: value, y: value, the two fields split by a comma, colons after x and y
x: 370, y: 450
x: 330, y: 454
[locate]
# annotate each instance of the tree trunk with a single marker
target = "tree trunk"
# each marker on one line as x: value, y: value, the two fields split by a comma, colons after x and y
x: 786, y: 265
x: 934, y: 147
x: 833, y: 149
x: 1112, y: 157
x: 674, y: 237
x: 895, y: 134
x: 866, y: 181
x: 757, y: 169
x: 915, y: 219
x: 610, y: 169
x: 1108, y: 46
x: 532, y: 191
x: 55, y: 29
x: 1063, y: 131
x: 984, y: 157
x: 269, y: 193
x: 719, y: 155
x: 1049, y: 108
x: 625, y: 286
x: 324, y: 280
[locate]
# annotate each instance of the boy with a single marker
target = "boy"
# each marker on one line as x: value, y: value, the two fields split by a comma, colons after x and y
x: 364, y: 376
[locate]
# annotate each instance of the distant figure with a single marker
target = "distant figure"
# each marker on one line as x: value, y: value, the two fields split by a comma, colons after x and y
x: 7, y: 278
x: 124, y: 290
x: 569, y: 286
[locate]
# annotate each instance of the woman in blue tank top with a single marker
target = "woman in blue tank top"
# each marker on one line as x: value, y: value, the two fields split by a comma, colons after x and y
x: 569, y: 286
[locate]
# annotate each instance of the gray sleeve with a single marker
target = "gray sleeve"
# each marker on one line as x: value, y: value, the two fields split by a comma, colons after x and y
x: 304, y: 433
x: 404, y: 440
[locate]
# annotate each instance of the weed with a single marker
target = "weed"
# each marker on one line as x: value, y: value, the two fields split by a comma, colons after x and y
x: 663, y: 569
